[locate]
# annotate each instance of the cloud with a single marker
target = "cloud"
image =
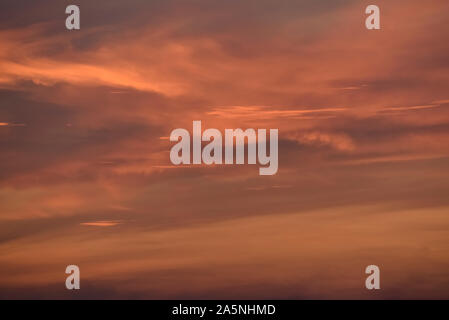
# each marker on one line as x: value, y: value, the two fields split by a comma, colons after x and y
x: 101, y: 223
x: 85, y: 174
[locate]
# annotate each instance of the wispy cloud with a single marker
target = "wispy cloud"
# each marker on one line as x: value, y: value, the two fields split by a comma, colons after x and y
x: 363, y: 143
x: 104, y: 223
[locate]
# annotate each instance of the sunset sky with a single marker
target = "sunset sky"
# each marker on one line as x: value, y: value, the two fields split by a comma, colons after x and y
x: 86, y: 177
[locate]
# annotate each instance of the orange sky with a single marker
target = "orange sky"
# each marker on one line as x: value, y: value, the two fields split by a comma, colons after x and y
x: 86, y: 178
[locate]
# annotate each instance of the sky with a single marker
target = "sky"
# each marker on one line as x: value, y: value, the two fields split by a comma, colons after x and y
x: 86, y: 177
